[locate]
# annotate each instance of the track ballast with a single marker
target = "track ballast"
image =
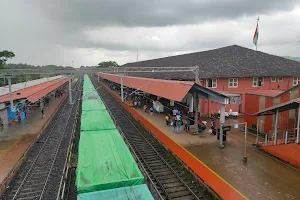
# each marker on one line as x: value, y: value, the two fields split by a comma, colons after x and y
x: 39, y: 175
x: 169, y: 177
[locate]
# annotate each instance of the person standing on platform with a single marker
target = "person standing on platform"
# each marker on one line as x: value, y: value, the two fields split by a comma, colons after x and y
x: 167, y: 118
x: 174, y: 124
x: 151, y: 111
x: 42, y: 108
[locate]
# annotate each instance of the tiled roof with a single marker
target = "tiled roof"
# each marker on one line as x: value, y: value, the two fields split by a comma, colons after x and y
x: 231, y: 61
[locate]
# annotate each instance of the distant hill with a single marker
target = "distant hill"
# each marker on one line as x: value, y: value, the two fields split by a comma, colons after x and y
x: 292, y: 58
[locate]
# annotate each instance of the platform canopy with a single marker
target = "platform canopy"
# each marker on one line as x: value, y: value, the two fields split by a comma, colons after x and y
x: 34, y: 93
x: 289, y: 105
x: 169, y: 89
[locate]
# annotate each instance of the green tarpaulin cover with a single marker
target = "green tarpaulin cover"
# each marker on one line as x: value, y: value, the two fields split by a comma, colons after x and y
x: 105, y: 162
x: 137, y: 192
x: 94, y: 120
x: 90, y: 95
x: 93, y: 104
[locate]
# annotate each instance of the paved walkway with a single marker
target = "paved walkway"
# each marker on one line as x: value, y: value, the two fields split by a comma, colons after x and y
x: 15, y: 140
x: 262, y: 178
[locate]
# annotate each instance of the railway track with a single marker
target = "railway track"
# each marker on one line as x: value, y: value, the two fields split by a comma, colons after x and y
x: 170, y: 178
x: 37, y: 176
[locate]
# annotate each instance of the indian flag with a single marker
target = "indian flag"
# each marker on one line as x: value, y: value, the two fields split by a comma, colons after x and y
x: 255, y: 38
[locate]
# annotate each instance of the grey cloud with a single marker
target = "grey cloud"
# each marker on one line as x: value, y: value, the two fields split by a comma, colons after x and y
x: 154, y: 13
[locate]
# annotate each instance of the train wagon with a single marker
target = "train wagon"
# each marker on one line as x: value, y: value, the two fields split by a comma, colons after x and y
x: 105, y: 162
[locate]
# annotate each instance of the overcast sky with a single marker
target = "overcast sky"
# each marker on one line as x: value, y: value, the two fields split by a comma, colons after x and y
x: 43, y: 32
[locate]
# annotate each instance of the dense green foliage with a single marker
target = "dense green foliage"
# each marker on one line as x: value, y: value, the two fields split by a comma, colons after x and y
x: 108, y: 64
x: 4, y: 56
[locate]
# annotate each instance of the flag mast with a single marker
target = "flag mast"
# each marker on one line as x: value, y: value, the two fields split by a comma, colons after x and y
x: 257, y: 27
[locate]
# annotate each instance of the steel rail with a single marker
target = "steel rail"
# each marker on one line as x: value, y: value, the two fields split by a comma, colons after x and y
x: 146, y: 146
x: 41, y: 151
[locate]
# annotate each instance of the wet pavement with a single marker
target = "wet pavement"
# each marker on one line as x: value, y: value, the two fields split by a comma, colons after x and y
x: 261, y: 178
x: 16, y: 139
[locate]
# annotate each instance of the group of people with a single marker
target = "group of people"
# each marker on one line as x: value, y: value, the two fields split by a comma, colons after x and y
x: 181, y: 122
x: 136, y: 103
x: 176, y: 121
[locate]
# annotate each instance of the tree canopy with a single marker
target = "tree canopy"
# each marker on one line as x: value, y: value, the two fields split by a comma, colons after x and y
x: 4, y: 56
x: 108, y: 64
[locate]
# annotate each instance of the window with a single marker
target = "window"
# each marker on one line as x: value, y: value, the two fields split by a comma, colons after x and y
x: 233, y: 82
x: 258, y: 81
x: 273, y: 79
x: 296, y: 80
x: 280, y: 79
x: 211, y: 83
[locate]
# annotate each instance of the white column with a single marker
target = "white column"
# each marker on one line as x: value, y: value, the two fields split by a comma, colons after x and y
x: 70, y: 89
x: 298, y: 124
x: 122, y: 89
x: 10, y: 92
x: 257, y: 131
x: 276, y: 127
x: 222, y: 121
x: 191, y: 103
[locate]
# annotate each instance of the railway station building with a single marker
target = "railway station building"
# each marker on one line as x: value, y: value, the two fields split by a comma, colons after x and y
x: 231, y: 69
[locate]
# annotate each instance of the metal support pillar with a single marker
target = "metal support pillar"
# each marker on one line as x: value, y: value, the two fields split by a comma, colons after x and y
x: 122, y: 89
x: 10, y: 92
x: 257, y: 130
x: 276, y: 127
x: 70, y: 89
x: 245, y: 151
x: 222, y: 121
x: 196, y: 103
x: 197, y: 80
x: 298, y: 124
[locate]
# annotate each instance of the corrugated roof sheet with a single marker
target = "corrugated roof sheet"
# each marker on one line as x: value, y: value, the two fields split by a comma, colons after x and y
x: 5, y: 90
x: 269, y: 93
x: 175, y: 90
x: 289, y: 105
x: 34, y: 91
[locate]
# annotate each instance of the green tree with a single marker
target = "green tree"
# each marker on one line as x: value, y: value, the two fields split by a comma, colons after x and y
x: 4, y: 56
x: 108, y: 64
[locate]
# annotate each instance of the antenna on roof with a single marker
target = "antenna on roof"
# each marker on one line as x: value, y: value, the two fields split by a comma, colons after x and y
x: 137, y: 58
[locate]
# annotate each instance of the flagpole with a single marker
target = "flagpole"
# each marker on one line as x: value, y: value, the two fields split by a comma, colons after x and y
x: 257, y: 26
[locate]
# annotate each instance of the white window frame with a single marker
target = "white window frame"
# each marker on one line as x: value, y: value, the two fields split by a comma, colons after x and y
x: 234, y: 82
x: 273, y: 79
x: 213, y: 82
x: 280, y: 79
x: 296, y: 80
x: 255, y: 81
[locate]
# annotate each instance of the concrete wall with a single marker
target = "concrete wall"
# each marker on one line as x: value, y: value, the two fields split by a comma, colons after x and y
x: 255, y: 103
x: 246, y: 84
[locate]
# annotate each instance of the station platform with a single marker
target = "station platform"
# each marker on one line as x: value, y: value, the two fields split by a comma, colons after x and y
x: 260, y: 178
x: 287, y: 152
x: 16, y: 139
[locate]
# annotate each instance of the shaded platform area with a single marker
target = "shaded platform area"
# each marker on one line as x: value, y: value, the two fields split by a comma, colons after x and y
x: 255, y: 179
x: 261, y: 178
x: 287, y: 152
x: 15, y: 140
